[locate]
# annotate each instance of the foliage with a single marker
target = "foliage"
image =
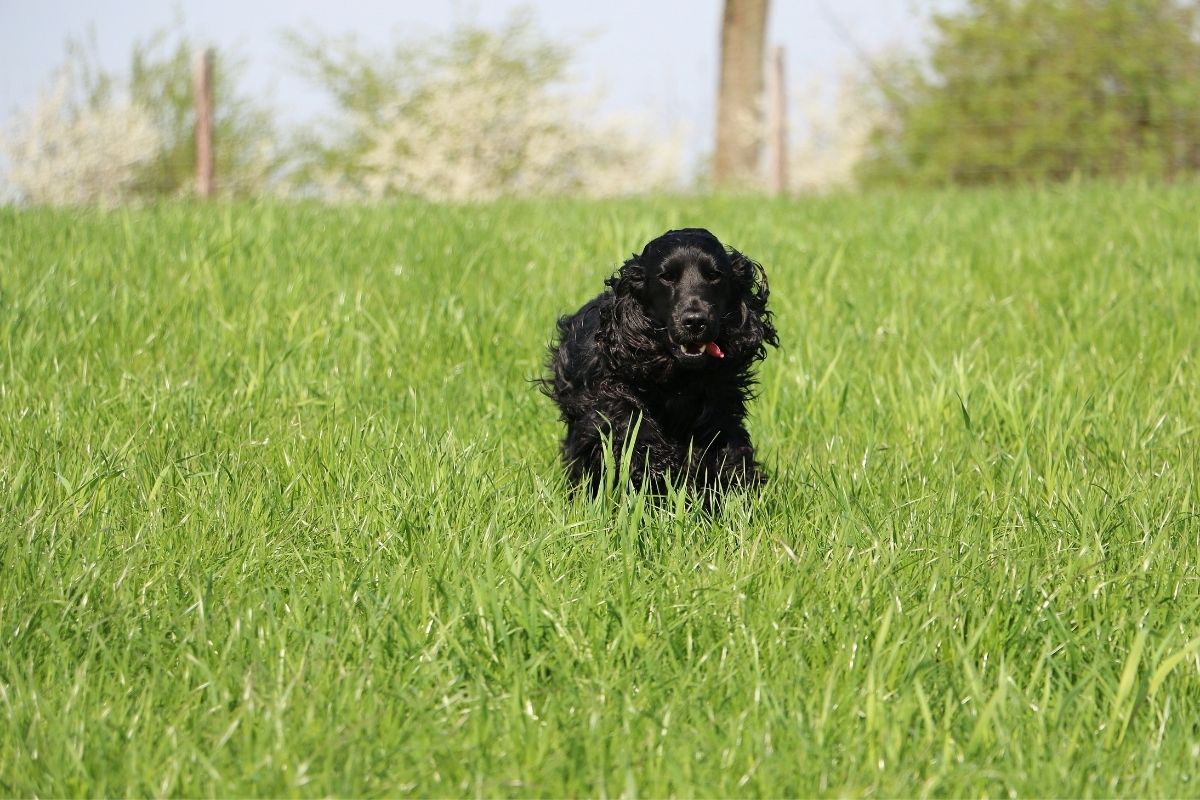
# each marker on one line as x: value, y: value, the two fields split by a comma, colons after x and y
x: 1048, y: 89
x: 282, y: 515
x: 247, y: 155
x: 95, y: 136
x: 72, y: 149
x: 477, y: 114
x: 835, y: 133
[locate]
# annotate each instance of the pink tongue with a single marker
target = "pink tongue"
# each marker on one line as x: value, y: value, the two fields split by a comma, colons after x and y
x: 714, y: 351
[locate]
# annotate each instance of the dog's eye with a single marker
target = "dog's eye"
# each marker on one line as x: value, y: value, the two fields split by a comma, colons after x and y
x: 712, y: 275
x: 668, y: 277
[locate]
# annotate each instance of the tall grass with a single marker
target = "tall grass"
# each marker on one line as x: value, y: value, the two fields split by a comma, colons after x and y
x: 281, y: 514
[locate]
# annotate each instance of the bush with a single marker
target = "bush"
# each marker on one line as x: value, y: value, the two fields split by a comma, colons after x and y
x: 97, y: 137
x: 69, y: 150
x: 473, y: 116
x: 1045, y: 90
x: 247, y: 154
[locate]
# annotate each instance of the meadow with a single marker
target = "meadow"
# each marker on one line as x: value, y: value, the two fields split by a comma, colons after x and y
x: 281, y: 511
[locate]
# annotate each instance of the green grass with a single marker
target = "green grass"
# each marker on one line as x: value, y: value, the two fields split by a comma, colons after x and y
x: 281, y: 514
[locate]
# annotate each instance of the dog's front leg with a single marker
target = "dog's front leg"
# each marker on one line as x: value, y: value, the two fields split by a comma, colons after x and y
x: 728, y: 462
x: 630, y: 442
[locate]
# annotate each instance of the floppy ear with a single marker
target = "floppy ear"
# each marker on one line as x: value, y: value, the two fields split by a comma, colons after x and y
x: 627, y: 336
x: 752, y: 291
x: 629, y: 280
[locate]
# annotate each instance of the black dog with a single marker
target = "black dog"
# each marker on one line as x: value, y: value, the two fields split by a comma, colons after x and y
x: 662, y: 362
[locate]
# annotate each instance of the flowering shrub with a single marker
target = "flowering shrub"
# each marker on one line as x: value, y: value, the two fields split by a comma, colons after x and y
x: 65, y: 152
x: 837, y: 133
x: 98, y: 137
x: 479, y: 116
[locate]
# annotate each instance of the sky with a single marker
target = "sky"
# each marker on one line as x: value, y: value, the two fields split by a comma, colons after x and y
x: 654, y: 58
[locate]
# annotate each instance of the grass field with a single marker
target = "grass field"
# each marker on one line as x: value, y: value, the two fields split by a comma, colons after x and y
x: 281, y: 514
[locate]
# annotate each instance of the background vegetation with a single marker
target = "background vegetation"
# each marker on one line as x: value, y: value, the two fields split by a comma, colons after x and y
x: 280, y: 512
x: 474, y: 115
x: 1005, y: 91
x: 99, y: 137
x: 1023, y: 90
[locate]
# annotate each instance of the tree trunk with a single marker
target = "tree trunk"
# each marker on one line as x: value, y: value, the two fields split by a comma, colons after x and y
x: 739, y: 112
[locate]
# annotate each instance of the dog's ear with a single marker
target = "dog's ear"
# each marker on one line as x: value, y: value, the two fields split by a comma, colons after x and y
x: 750, y: 284
x: 629, y: 280
x: 628, y: 341
x: 750, y: 281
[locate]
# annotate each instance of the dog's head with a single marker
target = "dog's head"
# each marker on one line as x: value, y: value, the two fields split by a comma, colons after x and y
x: 701, y: 303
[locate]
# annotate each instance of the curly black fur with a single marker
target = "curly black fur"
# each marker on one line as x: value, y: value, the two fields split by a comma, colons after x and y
x: 625, y: 369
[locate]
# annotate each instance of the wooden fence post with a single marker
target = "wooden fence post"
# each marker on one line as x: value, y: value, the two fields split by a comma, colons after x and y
x: 205, y: 165
x: 777, y: 180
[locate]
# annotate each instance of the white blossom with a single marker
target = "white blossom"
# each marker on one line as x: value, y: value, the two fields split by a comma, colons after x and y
x: 470, y: 134
x: 836, y: 135
x: 63, y: 153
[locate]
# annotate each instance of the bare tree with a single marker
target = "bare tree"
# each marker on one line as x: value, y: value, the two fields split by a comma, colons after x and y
x: 739, y: 112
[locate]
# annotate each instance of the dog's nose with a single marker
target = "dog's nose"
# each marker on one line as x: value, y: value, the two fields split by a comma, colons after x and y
x: 695, y: 322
